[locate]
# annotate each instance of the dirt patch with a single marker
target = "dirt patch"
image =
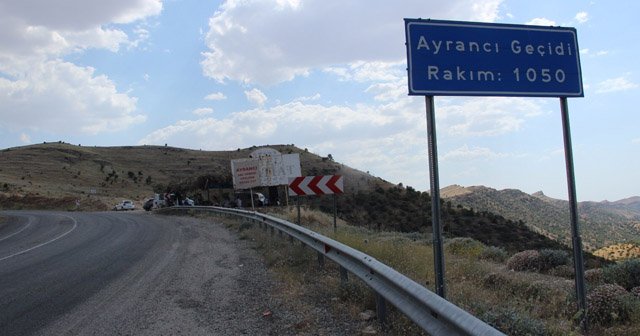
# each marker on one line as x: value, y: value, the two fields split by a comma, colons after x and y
x: 39, y: 202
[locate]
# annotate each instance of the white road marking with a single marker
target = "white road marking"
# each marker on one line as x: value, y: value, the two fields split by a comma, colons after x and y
x: 15, y: 233
x: 75, y: 224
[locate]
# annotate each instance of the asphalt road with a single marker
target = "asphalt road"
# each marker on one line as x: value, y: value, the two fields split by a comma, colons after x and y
x: 135, y: 273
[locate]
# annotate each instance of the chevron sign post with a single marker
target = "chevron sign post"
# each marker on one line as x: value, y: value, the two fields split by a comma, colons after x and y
x: 316, y: 185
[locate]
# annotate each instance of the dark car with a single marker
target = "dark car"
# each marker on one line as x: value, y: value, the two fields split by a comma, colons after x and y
x: 148, y: 204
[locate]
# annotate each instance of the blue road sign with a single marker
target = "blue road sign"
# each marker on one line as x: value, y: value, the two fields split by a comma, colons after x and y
x: 452, y: 58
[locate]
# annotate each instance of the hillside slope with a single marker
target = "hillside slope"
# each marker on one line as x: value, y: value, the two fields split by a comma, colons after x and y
x: 54, y: 175
x: 602, y: 224
x: 107, y: 174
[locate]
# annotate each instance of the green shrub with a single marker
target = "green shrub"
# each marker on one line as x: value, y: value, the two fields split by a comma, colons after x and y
x: 464, y: 246
x: 495, y: 281
x: 636, y: 292
x: 552, y: 258
x: 494, y: 253
x: 610, y: 303
x: 563, y: 271
x: 511, y: 322
x: 594, y: 277
x: 625, y: 273
x: 528, y: 260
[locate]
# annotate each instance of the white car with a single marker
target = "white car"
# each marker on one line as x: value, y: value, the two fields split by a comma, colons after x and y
x: 125, y: 205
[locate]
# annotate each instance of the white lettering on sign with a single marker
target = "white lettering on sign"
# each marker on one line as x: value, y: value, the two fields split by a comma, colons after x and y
x: 471, y: 46
x: 540, y: 49
x: 435, y: 73
x: 457, y: 73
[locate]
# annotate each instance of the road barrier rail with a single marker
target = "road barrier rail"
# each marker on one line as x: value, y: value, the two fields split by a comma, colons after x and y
x: 429, y: 311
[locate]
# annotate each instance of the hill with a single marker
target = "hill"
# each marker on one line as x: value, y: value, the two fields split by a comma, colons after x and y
x: 54, y: 175
x: 100, y: 176
x: 602, y: 223
x: 619, y: 252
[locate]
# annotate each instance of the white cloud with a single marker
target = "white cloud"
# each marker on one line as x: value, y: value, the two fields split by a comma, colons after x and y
x: 62, y: 97
x: 44, y: 91
x: 323, y: 129
x: 76, y: 15
x: 285, y: 39
x: 25, y: 138
x: 202, y: 111
x: 582, y: 17
x: 369, y: 71
x: 465, y: 153
x: 309, y: 98
x: 636, y: 141
x: 542, y: 22
x: 615, y: 84
x: 487, y: 116
x: 215, y: 96
x: 256, y: 97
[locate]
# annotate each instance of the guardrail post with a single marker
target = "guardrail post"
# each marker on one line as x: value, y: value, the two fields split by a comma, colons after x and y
x: 271, y: 230
x: 344, y: 276
x: 321, y: 259
x: 381, y: 310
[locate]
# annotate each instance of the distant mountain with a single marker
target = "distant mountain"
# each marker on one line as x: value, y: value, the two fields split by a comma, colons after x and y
x: 601, y: 223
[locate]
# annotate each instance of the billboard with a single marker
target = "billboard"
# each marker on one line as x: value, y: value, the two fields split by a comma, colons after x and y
x: 266, y: 167
x: 245, y: 173
x: 275, y: 168
x: 480, y: 59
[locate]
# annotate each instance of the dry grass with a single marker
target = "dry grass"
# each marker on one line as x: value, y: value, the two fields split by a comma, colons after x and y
x: 522, y: 302
x: 619, y: 252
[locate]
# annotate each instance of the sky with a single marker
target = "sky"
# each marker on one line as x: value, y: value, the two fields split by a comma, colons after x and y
x: 325, y: 75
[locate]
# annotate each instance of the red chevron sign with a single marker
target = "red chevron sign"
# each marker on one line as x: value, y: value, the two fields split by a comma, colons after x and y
x: 316, y: 185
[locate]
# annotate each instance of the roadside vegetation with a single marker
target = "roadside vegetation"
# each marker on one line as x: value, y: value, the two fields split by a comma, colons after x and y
x: 524, y: 293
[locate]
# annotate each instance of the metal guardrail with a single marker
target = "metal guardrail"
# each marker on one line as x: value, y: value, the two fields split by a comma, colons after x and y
x: 432, y: 313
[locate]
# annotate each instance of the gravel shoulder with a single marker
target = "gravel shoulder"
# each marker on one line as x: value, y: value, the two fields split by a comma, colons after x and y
x: 197, y: 279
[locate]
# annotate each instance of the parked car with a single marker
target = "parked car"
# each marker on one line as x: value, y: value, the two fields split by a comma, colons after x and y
x: 245, y: 199
x: 125, y: 205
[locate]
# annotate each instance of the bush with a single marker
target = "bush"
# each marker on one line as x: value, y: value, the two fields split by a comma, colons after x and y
x: 464, y: 246
x: 494, y: 253
x: 528, y: 260
x: 594, y: 277
x: 563, y: 271
x: 609, y: 303
x: 552, y: 258
x: 636, y: 292
x: 625, y: 274
x: 511, y: 322
x: 495, y: 281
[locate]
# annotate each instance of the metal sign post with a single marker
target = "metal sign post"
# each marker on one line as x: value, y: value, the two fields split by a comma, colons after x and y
x: 438, y: 256
x: 335, y: 213
x: 317, y: 185
x: 453, y: 58
x: 578, y: 262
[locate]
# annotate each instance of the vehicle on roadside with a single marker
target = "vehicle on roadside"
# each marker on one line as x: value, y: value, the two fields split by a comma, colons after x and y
x: 188, y: 201
x: 148, y: 204
x: 259, y: 199
x: 124, y: 206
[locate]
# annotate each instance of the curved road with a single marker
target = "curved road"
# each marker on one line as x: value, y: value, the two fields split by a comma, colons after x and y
x: 107, y: 273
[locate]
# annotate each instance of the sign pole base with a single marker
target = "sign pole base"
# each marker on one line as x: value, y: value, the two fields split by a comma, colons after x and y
x: 438, y: 254
x: 578, y: 262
